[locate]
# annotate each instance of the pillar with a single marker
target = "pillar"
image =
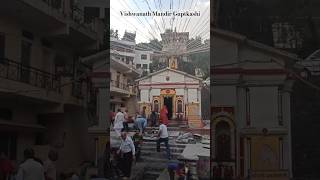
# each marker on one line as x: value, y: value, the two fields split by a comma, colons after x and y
x: 103, y: 106
x: 287, y: 145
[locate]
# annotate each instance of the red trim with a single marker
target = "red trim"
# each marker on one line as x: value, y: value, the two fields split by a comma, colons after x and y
x: 163, y: 84
x: 217, y: 109
x: 100, y: 74
x: 219, y: 71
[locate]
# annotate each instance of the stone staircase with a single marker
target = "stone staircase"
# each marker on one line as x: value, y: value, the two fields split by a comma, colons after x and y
x: 157, y: 161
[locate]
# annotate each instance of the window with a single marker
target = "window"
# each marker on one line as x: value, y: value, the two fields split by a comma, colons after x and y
x: 145, y: 66
x: 138, y: 66
x: 8, y: 145
x: 2, y: 46
x: 90, y: 13
x: 143, y: 56
x: 5, y: 114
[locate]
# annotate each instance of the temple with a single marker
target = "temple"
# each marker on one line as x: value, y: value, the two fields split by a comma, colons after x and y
x: 179, y: 91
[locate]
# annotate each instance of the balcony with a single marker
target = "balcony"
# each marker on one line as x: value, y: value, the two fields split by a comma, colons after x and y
x: 121, y: 66
x: 57, y: 18
x: 15, y: 71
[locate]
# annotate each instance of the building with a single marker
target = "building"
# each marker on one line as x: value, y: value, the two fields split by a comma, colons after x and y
x: 94, y: 8
x: 251, y: 116
x: 123, y: 73
x: 142, y: 60
x: 287, y: 25
x: 174, y: 43
x: 305, y: 115
x: 179, y: 91
x: 99, y: 128
x: 44, y: 88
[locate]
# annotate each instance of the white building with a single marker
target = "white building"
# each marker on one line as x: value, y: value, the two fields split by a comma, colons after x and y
x: 179, y: 91
x: 123, y: 73
x: 99, y: 77
x: 250, y: 92
x: 142, y: 60
x: 44, y: 92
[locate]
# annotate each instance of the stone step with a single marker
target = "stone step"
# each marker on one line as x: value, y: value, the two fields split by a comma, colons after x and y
x: 154, y: 144
x: 154, y: 159
x: 162, y: 148
x: 151, y: 175
x: 161, y: 154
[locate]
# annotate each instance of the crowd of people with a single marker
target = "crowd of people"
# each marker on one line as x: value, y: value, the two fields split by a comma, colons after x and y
x: 32, y: 168
x: 127, y: 152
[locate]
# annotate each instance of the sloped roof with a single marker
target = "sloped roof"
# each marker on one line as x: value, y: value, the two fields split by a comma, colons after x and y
x: 169, y: 69
x: 245, y: 40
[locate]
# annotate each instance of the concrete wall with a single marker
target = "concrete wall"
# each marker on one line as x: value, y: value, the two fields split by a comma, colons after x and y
x: 264, y: 107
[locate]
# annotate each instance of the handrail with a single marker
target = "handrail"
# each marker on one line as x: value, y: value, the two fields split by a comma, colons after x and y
x: 17, y: 71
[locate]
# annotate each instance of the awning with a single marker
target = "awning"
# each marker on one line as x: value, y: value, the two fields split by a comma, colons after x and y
x: 14, y: 126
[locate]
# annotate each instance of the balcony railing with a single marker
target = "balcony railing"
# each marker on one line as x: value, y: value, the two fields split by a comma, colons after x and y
x: 16, y: 71
x: 118, y: 84
x: 82, y: 19
x: 55, y: 4
x: 77, y: 15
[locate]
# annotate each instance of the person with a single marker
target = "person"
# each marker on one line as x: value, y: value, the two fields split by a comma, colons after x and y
x: 30, y: 169
x: 172, y: 167
x: 111, y: 116
x: 127, y: 154
x: 163, y: 137
x: 6, y: 167
x: 143, y: 113
x: 118, y: 122
x: 137, y: 140
x: 164, y: 115
x: 141, y: 123
x: 153, y: 118
x: 126, y: 120
x: 50, y: 167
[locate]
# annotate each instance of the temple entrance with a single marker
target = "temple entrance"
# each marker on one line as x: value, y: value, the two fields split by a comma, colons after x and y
x: 167, y: 100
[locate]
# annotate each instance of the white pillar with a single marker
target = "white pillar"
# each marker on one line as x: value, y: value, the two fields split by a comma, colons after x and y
x: 287, y: 145
x: 103, y: 106
x: 199, y: 100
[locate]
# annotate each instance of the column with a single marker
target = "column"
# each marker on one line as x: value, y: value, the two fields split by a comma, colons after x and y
x: 287, y: 146
x: 199, y: 100
x: 103, y: 106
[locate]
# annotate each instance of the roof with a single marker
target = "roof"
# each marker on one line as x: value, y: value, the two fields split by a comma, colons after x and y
x: 168, y: 69
x: 263, y: 47
x: 96, y: 57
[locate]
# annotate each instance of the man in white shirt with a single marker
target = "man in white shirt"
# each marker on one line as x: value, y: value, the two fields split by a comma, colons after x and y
x: 127, y: 152
x: 118, y: 122
x: 163, y: 137
x: 30, y: 169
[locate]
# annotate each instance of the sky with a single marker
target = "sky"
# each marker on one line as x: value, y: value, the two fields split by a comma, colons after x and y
x: 147, y: 28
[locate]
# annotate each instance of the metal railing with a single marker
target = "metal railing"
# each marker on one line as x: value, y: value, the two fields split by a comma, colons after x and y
x: 82, y: 19
x: 76, y: 14
x: 16, y: 71
x: 119, y: 85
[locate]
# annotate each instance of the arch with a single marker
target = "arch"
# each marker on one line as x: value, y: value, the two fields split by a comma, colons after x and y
x: 223, y: 127
x: 223, y: 141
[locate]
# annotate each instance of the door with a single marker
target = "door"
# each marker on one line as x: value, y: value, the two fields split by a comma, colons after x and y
x: 167, y: 100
